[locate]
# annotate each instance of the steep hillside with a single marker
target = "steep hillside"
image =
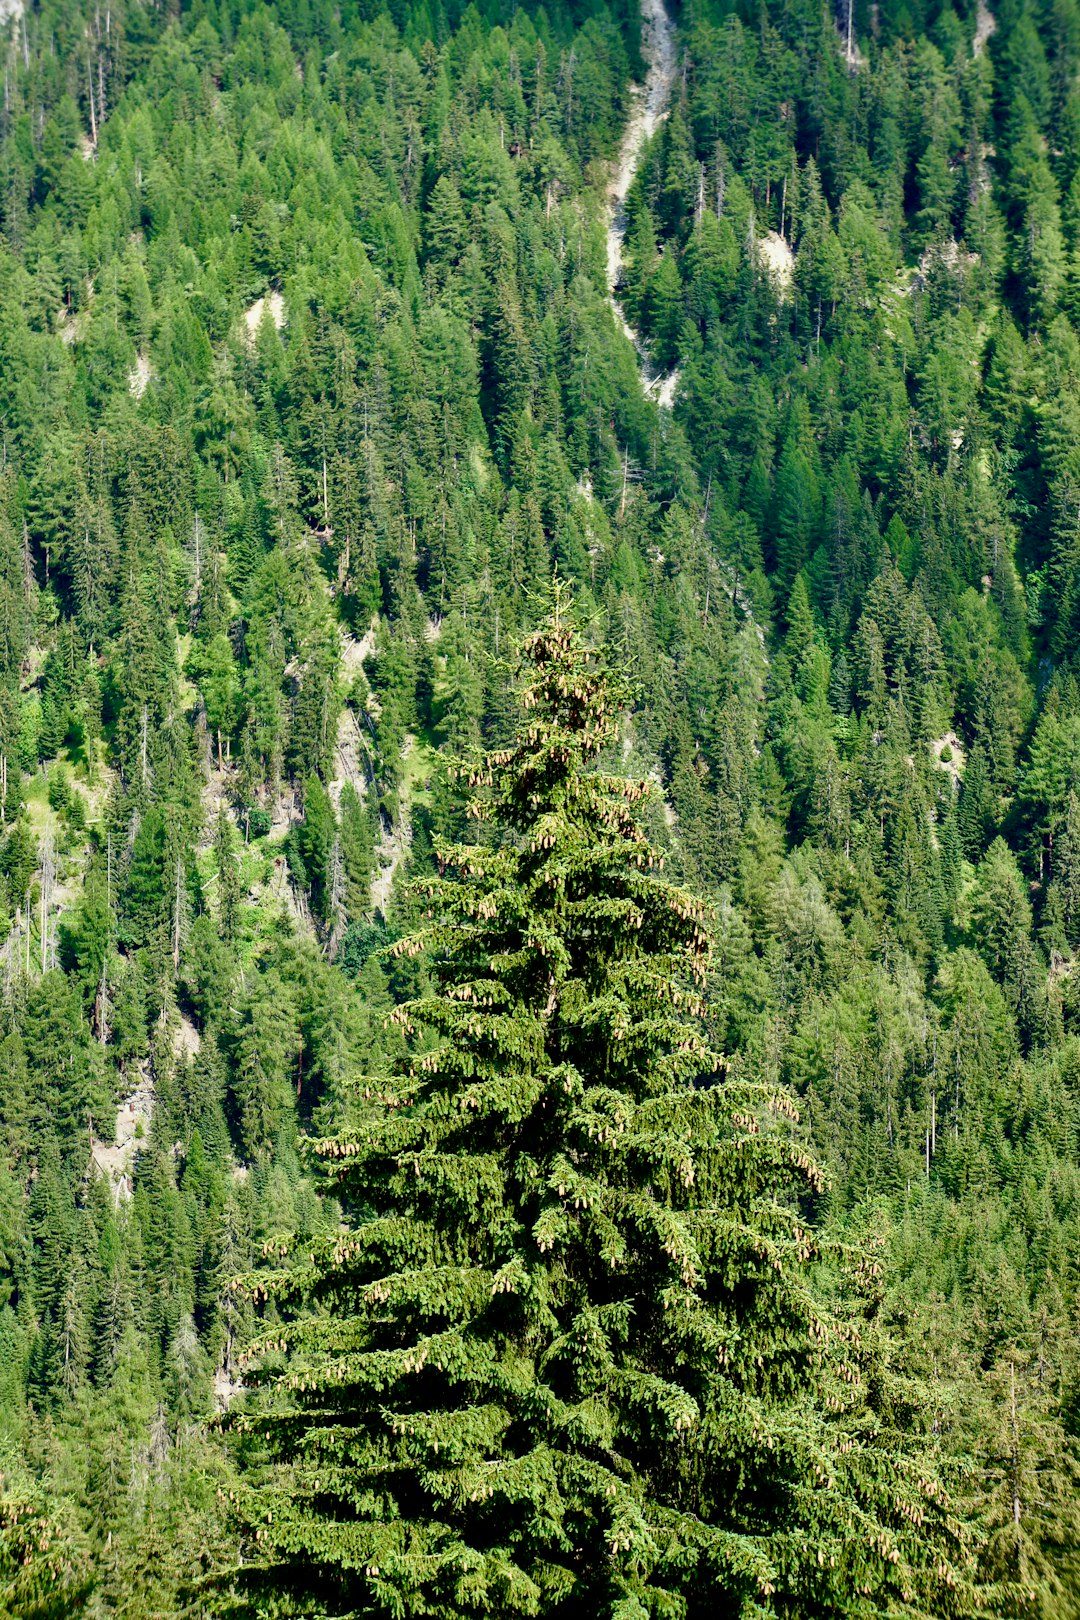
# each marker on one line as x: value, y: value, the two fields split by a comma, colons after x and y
x: 328, y: 337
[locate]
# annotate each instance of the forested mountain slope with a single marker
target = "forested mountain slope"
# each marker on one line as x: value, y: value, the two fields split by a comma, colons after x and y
x: 309, y: 381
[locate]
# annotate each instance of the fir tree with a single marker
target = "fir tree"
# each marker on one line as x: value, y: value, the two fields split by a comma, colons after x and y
x: 565, y: 1360
x: 228, y: 876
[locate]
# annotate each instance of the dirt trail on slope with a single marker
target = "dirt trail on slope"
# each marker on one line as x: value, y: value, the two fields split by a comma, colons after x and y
x: 985, y: 26
x: 650, y: 106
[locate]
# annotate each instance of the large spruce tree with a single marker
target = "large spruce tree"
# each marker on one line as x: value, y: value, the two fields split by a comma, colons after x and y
x: 562, y: 1359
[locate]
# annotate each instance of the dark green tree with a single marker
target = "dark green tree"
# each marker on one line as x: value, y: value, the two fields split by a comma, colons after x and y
x: 565, y: 1359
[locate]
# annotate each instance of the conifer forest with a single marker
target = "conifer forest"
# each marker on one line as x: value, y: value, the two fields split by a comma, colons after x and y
x: 540, y: 809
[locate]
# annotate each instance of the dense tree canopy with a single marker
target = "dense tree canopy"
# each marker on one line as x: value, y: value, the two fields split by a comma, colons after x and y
x: 309, y: 384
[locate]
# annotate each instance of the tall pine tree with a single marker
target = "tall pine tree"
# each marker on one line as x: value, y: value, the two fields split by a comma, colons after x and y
x: 563, y: 1359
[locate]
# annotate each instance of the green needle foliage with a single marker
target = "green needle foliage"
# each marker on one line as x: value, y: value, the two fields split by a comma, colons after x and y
x: 564, y: 1358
